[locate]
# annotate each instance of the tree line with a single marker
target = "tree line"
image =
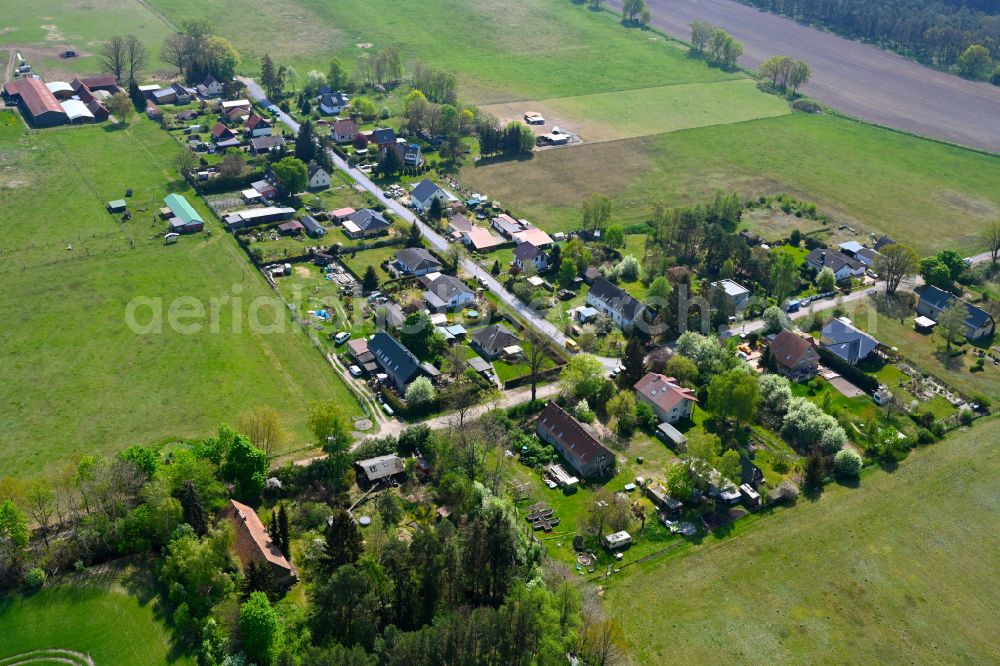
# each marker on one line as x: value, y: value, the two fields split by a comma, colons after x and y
x: 936, y: 32
x: 715, y: 45
x: 197, y: 52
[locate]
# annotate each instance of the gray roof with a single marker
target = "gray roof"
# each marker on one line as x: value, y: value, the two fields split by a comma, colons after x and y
x: 368, y: 220
x: 832, y: 259
x: 446, y: 286
x: 424, y: 190
x: 312, y: 226
x: 882, y: 242
x: 940, y: 299
x: 615, y: 298
x: 495, y: 337
x: 333, y: 99
x: 381, y: 467
x: 267, y: 142
x: 417, y: 259
x: 849, y: 343
x: 383, y: 135
x: 527, y: 252
x: 394, y: 358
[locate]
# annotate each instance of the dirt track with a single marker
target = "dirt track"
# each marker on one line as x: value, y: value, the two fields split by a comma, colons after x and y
x: 856, y: 78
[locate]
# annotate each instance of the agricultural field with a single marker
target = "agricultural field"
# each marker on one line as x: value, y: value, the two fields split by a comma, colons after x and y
x: 112, y: 617
x: 78, y: 379
x: 904, y: 565
x: 875, y: 180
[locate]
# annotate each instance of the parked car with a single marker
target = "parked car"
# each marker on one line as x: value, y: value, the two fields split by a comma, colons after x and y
x: 342, y: 337
x: 354, y: 370
x: 387, y: 409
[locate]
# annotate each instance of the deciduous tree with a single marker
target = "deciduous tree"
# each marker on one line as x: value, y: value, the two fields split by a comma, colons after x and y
x: 262, y: 425
x: 951, y: 322
x: 113, y: 56
x: 896, y: 262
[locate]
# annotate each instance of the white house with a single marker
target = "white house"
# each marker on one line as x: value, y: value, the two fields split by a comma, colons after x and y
x: 527, y: 253
x: 210, y: 87
x: 256, y: 126
x: 445, y: 292
x: 843, y: 267
x: 670, y: 401
x: 737, y: 294
x: 425, y: 192
x: 333, y: 102
x: 615, y: 302
x: 416, y: 261
x: 318, y: 177
x: 344, y: 130
x: 412, y: 155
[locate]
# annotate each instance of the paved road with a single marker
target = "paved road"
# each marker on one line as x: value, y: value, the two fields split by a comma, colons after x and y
x: 856, y: 78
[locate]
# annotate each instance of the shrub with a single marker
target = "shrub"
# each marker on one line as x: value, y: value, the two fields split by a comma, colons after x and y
x: 806, y: 106
x: 925, y: 436
x: 966, y: 416
x: 847, y: 464
x: 35, y: 577
x: 786, y: 490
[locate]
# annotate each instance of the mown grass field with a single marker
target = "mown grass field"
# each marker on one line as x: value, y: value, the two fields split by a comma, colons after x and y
x: 77, y: 379
x: 930, y: 194
x: 901, y: 569
x: 110, y: 617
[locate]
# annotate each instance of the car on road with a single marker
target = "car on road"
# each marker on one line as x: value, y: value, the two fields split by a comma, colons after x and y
x: 354, y: 370
x: 572, y: 347
x: 793, y: 306
x: 273, y: 108
x: 342, y: 337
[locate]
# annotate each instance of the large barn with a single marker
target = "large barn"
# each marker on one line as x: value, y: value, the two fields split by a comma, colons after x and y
x: 37, y: 103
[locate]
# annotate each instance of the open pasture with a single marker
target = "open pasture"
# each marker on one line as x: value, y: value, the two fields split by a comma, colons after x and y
x: 78, y: 379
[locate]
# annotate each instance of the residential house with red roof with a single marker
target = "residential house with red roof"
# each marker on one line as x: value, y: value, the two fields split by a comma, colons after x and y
x: 254, y: 544
x: 670, y: 401
x: 794, y: 356
x: 584, y: 453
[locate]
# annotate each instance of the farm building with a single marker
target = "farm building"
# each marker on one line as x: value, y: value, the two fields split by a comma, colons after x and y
x: 37, y: 103
x: 185, y: 219
x: 253, y: 216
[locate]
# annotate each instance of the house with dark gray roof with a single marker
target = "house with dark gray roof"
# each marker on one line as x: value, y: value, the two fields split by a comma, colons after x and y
x: 529, y: 254
x: 978, y: 324
x: 383, y: 136
x: 416, y: 261
x: 332, y: 103
x: 615, y: 302
x: 313, y: 227
x: 445, y: 292
x: 493, y: 339
x: 425, y: 192
x: 882, y: 242
x: 395, y: 360
x: 265, y: 144
x: 584, y: 453
x: 365, y: 223
x: 843, y: 267
x: 843, y: 339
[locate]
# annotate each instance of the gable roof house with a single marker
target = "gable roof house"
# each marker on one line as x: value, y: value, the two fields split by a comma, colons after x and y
x: 332, y: 103
x: 670, y: 401
x: 614, y: 302
x: 224, y: 137
x: 343, y: 130
x: 978, y: 323
x: 210, y: 87
x: 794, y: 356
x: 480, y: 239
x: 507, y: 225
x: 843, y: 267
x: 365, y: 223
x: 587, y: 456
x: 447, y: 293
x: 493, y: 339
x: 254, y: 544
x: 381, y: 467
x: 266, y: 144
x: 527, y: 253
x: 257, y: 125
x: 312, y: 226
x: 382, y: 137
x: 396, y: 360
x: 318, y: 177
x: 416, y: 261
x: 425, y: 192
x: 841, y: 338
x: 412, y: 155
x: 530, y: 234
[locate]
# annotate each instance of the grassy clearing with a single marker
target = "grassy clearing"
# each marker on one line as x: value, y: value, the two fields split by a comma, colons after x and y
x: 874, y: 179
x: 507, y: 49
x: 77, y: 378
x: 360, y: 261
x: 852, y: 577
x: 113, y: 618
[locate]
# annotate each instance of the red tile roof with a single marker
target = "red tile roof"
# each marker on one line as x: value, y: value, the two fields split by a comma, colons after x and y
x: 575, y: 440
x: 100, y: 81
x: 663, y: 391
x: 253, y: 543
x: 36, y: 96
x: 787, y: 348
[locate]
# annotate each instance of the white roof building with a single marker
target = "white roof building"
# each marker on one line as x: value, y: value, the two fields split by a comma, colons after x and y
x: 75, y: 109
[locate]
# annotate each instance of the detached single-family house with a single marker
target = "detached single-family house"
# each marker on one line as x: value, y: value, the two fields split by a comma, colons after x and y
x: 532, y: 235
x: 395, y: 360
x: 882, y: 242
x: 445, y: 292
x: 843, y: 267
x: 480, y: 239
x: 224, y: 137
x: 382, y: 137
x: 978, y: 323
x: 229, y: 105
x: 507, y: 225
x: 343, y: 130
x: 416, y: 261
x: 210, y: 87
x: 584, y: 453
x: 382, y: 467
x: 670, y: 401
x: 859, y: 252
x: 253, y: 543
x: 794, y: 356
x: 318, y: 177
x: 365, y: 223
x: 615, y: 302
x: 184, y: 218
x: 458, y: 224
x: 312, y: 226
x: 257, y: 125
x: 266, y: 144
x: 737, y: 294
x: 425, y: 192
x: 412, y: 156
x: 843, y: 339
x: 493, y: 339
x: 527, y: 254
x: 265, y: 188
x: 332, y: 103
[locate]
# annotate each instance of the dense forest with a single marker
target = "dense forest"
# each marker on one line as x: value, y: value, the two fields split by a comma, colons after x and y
x: 936, y: 32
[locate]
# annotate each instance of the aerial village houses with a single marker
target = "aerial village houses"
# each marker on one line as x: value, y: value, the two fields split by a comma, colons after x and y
x: 396, y: 361
x: 224, y: 137
x: 254, y: 544
x: 265, y: 144
x: 794, y: 356
x: 365, y: 223
x: 587, y: 456
x: 978, y: 323
x: 343, y: 130
x: 736, y: 293
x: 615, y: 302
x: 318, y: 177
x: 670, y: 401
x: 527, y: 254
x: 843, y: 267
x: 444, y: 292
x: 843, y: 339
x: 425, y: 192
x: 491, y: 340
x: 416, y: 261
x: 859, y: 252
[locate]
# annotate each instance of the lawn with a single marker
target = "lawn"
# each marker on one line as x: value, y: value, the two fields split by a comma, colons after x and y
x: 112, y: 617
x: 847, y: 168
x: 358, y: 262
x: 905, y: 565
x: 77, y: 378
x: 928, y: 352
x: 507, y: 49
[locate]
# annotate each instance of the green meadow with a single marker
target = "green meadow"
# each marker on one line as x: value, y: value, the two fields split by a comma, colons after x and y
x: 77, y: 378
x: 902, y: 568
